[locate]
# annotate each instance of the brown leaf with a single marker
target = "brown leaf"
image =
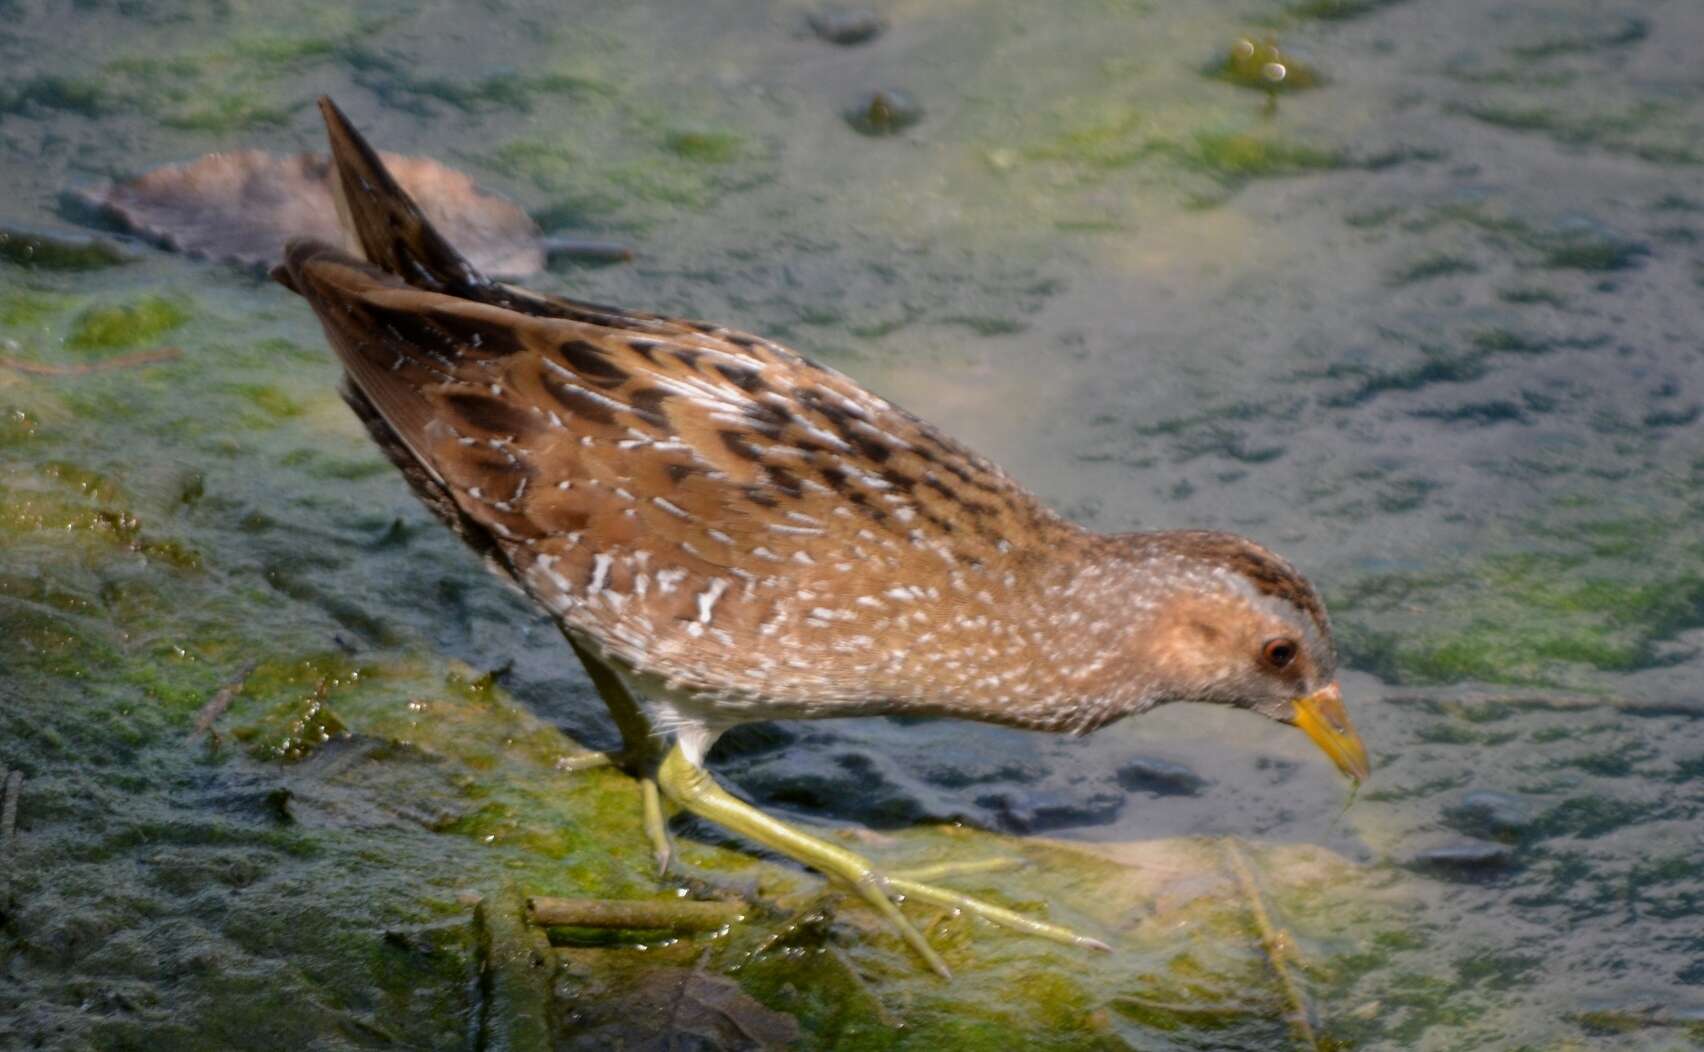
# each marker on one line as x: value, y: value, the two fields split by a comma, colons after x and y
x: 241, y: 207
x: 673, y: 1009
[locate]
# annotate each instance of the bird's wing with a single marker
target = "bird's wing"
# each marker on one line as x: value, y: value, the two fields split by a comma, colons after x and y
x: 703, y: 504
x: 667, y: 493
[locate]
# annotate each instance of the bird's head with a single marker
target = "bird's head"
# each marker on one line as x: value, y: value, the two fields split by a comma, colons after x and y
x: 1232, y: 623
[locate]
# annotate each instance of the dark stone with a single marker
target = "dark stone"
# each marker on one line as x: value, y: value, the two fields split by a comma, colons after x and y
x: 884, y: 113
x: 847, y: 27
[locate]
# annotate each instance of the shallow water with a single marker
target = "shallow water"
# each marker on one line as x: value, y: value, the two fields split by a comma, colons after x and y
x: 1431, y: 328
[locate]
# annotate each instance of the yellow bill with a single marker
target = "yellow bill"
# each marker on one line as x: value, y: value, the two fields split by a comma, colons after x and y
x: 1321, y: 716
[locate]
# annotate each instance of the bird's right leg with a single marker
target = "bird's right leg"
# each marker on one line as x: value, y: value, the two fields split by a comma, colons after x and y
x: 692, y: 787
x: 640, y: 749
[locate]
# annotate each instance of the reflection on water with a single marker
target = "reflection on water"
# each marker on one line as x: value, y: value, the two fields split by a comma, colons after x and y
x: 1430, y: 327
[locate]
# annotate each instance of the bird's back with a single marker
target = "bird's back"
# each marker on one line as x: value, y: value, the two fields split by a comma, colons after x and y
x: 706, y: 507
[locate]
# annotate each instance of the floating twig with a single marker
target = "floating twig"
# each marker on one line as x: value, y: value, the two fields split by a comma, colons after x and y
x: 220, y: 701
x: 9, y: 807
x: 634, y: 914
x: 516, y: 971
x: 580, y: 250
x: 123, y: 361
x: 1276, y: 943
x: 584, y: 761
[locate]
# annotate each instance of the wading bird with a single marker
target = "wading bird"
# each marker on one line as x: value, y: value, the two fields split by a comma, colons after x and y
x: 727, y: 531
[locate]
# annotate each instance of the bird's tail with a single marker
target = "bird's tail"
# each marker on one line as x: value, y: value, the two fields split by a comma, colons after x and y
x: 383, y: 223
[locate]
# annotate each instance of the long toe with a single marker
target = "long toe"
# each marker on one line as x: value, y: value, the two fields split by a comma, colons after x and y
x: 996, y: 914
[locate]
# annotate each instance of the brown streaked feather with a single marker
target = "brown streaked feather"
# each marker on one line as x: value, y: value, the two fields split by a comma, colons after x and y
x: 387, y: 228
x: 382, y: 220
x: 639, y: 471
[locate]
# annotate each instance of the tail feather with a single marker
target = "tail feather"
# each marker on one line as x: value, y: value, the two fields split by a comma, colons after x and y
x: 383, y: 222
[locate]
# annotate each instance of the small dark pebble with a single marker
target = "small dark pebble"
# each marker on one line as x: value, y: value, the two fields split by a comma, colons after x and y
x: 278, y: 805
x: 1465, y: 858
x: 45, y: 251
x: 1149, y: 774
x: 847, y: 27
x: 579, y: 250
x: 1490, y: 814
x: 884, y: 113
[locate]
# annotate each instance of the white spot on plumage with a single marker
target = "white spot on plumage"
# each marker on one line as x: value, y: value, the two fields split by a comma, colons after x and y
x: 600, y: 572
x: 707, y: 598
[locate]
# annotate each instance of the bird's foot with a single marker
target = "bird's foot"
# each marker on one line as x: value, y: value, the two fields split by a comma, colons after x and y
x: 690, y: 786
x: 1000, y: 915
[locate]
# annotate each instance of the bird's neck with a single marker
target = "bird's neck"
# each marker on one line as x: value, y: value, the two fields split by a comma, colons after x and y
x: 1086, y: 600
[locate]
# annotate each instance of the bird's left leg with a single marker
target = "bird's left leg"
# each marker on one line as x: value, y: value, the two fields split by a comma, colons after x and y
x: 691, y: 786
x: 640, y: 749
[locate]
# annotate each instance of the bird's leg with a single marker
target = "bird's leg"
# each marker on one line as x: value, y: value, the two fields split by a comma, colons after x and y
x: 656, y: 826
x: 690, y: 786
x: 639, y: 747
x: 693, y: 788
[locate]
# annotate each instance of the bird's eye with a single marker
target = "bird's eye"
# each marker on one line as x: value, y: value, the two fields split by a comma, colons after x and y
x: 1278, y: 653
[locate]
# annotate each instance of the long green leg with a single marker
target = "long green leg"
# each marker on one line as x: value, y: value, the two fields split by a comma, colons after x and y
x: 637, y: 741
x: 656, y: 827
x: 639, y: 747
x: 692, y: 787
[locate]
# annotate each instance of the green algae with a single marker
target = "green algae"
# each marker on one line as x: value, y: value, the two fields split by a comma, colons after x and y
x: 593, y: 188
x: 59, y: 252
x: 705, y: 147
x: 297, y: 718
x: 24, y: 308
x: 1108, y: 140
x: 1247, y: 155
x: 112, y: 327
x: 1532, y: 617
x: 1337, y: 10
x: 78, y: 95
x: 228, y: 113
x: 1263, y: 66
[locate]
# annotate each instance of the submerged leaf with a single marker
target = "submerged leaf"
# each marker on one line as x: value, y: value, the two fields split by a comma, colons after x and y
x: 668, y: 1008
x: 242, y: 207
